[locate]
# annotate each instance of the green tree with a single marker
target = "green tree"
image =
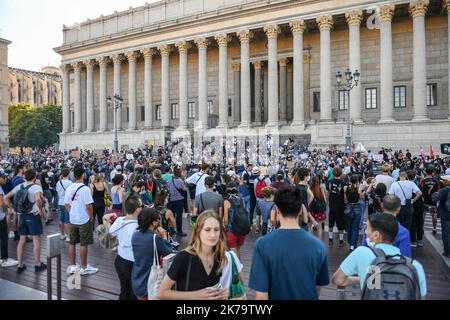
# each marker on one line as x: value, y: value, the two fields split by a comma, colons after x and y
x: 34, y: 127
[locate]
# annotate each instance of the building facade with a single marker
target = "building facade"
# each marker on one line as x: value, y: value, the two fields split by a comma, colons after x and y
x: 260, y: 66
x: 4, y: 99
x: 35, y: 88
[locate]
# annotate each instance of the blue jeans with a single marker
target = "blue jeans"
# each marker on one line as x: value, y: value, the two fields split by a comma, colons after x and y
x: 446, y: 234
x: 247, y: 203
x: 352, y: 225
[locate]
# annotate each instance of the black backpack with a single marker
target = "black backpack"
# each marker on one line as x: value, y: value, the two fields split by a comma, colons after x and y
x: 241, y: 223
x: 318, y: 205
x: 398, y: 278
x: 21, y: 202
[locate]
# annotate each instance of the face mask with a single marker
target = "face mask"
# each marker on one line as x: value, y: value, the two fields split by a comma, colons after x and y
x: 370, y: 243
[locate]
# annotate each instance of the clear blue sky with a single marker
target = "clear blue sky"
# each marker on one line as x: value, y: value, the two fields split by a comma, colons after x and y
x: 35, y: 26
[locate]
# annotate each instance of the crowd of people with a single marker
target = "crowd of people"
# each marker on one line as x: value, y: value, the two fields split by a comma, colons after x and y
x: 139, y: 199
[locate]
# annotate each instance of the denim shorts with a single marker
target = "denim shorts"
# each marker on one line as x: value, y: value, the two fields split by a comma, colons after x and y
x: 30, y: 225
x: 63, y: 215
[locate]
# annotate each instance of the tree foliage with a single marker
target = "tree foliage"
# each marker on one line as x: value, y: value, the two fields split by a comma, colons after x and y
x: 34, y: 127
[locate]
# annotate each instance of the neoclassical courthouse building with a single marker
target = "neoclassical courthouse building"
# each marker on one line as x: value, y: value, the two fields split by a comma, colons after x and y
x: 260, y: 66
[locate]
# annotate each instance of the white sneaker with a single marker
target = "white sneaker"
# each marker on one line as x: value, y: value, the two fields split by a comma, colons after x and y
x: 11, y: 235
x: 88, y: 270
x: 73, y: 269
x: 62, y: 237
x: 9, y: 263
x: 67, y: 239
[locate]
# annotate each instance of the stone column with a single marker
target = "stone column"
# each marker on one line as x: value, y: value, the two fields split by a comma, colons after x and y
x: 272, y: 35
x: 325, y: 24
x: 222, y: 40
x: 165, y: 85
x: 386, y: 93
x: 202, y: 44
x: 290, y: 90
x: 132, y: 98
x: 258, y: 100
x: 418, y: 9
x: 354, y: 19
x: 265, y: 73
x: 103, y: 64
x: 117, y: 60
x: 283, y: 90
x: 237, y: 94
x: 447, y: 7
x: 89, y: 95
x: 148, y: 87
x: 183, y: 47
x: 77, y: 111
x: 244, y: 37
x: 66, y: 98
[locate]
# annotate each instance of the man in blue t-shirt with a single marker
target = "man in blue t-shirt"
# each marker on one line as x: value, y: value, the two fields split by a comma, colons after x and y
x: 391, y: 205
x: 381, y: 232
x: 288, y: 263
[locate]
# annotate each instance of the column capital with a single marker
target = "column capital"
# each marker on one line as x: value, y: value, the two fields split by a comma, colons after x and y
x: 202, y: 43
x: 257, y: 64
x: 446, y: 5
x: 297, y: 27
x: 244, y: 35
x: 354, y: 18
x: 131, y: 56
x: 236, y: 67
x: 182, y: 46
x: 77, y: 66
x: 283, y: 62
x: 418, y: 8
x: 165, y: 49
x: 272, y: 31
x: 102, y: 61
x: 386, y: 12
x: 222, y: 39
x: 89, y: 63
x: 325, y: 22
x: 65, y: 67
x: 117, y: 58
x: 148, y: 52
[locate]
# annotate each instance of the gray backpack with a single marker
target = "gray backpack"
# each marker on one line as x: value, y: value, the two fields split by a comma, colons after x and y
x: 398, y: 278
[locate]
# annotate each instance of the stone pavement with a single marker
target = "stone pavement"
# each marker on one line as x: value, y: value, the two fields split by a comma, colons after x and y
x: 105, y: 284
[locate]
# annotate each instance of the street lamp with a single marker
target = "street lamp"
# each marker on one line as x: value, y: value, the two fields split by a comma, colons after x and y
x: 352, y: 81
x: 116, y: 106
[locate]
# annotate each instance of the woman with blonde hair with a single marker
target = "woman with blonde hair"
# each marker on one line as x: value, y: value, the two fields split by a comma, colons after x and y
x: 196, y: 271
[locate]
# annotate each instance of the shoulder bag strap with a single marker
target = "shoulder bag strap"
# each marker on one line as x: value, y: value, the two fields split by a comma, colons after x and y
x: 73, y: 198
x: 377, y: 252
x: 188, y: 275
x: 402, y: 190
x: 155, y: 252
x: 62, y: 186
x: 179, y: 191
x: 199, y: 178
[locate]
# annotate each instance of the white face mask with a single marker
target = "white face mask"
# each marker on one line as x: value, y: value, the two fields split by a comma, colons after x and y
x: 370, y: 243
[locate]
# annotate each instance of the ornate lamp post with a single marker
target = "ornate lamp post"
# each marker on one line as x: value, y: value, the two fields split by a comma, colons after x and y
x: 352, y: 81
x: 118, y: 100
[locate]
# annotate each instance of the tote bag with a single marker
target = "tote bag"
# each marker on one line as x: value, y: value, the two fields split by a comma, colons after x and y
x: 156, y: 274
